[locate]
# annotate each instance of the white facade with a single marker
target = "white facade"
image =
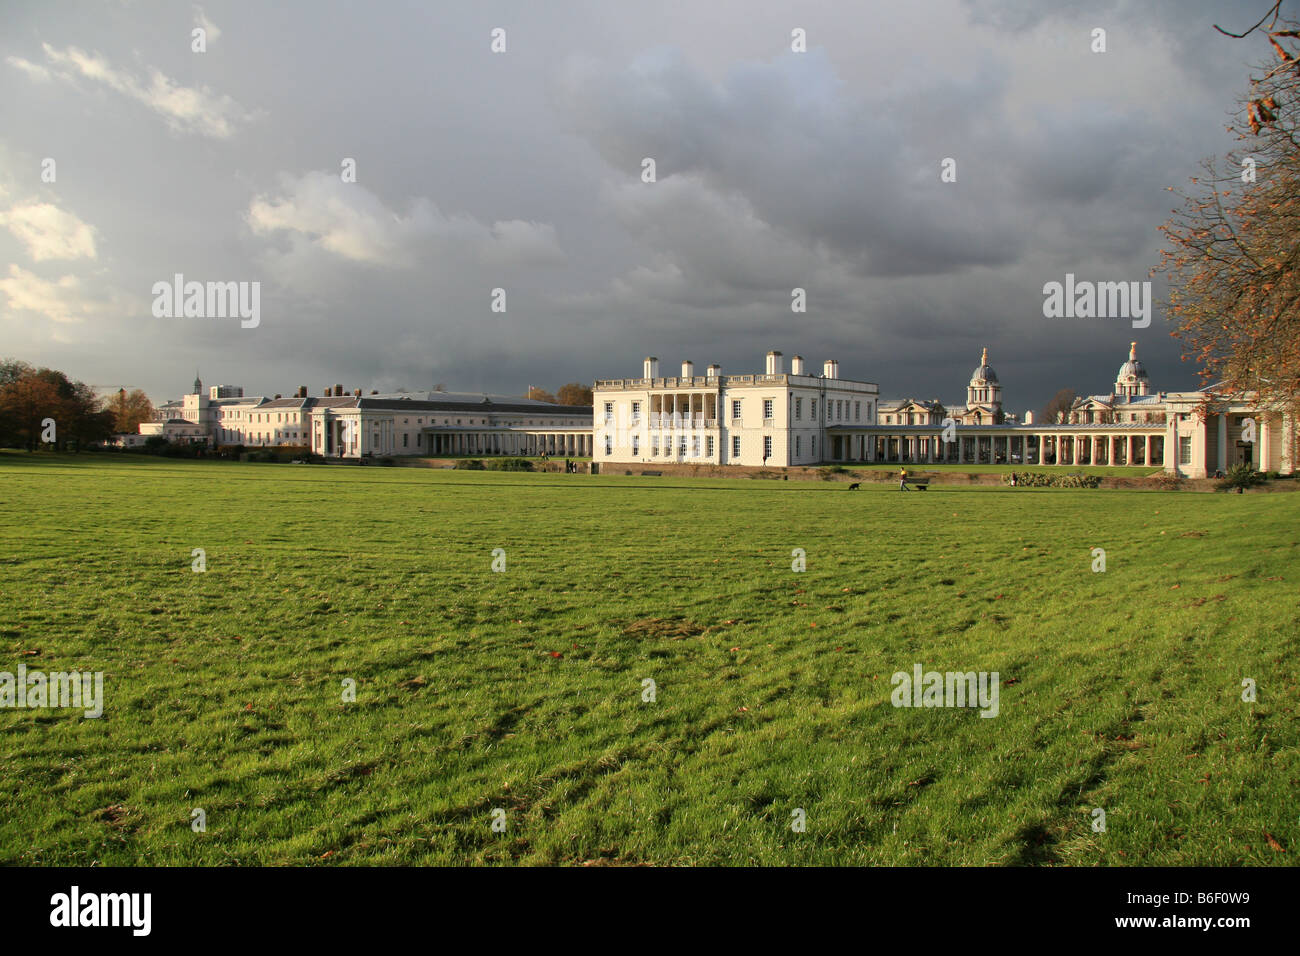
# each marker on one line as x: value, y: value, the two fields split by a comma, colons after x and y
x: 776, y: 418
x: 779, y: 419
x: 441, y: 424
x: 433, y: 423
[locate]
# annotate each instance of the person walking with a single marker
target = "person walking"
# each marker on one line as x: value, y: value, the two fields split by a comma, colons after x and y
x: 902, y: 480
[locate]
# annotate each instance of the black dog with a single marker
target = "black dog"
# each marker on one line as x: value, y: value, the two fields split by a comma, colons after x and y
x: 854, y: 486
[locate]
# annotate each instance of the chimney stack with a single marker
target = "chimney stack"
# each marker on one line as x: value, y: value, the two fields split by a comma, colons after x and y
x: 688, y: 369
x: 357, y: 393
x: 715, y: 371
x: 302, y: 391
x: 775, y: 364
x: 831, y: 369
x: 651, y: 367
x: 796, y: 365
x: 338, y: 390
x: 328, y: 391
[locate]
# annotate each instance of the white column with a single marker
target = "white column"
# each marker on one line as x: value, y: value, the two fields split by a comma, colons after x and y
x: 1265, y: 444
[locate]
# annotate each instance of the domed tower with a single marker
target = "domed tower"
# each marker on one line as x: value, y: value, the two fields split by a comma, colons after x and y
x: 198, y: 384
x: 984, y: 393
x: 1132, y: 378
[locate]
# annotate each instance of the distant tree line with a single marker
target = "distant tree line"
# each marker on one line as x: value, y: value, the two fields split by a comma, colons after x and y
x: 575, y: 393
x: 42, y: 406
x: 1058, y: 409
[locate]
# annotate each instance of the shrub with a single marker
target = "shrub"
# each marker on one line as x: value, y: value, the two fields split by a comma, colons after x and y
x: 1168, y: 481
x: 469, y: 464
x: 1036, y: 479
x: 510, y: 464
x: 1240, y: 476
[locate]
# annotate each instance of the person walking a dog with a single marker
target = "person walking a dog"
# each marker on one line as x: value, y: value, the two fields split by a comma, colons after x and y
x: 902, y: 480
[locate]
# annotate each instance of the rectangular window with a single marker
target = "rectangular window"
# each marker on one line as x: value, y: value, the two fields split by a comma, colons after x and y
x: 735, y: 446
x: 609, y: 411
x: 857, y: 411
x: 735, y: 409
x: 681, y: 446
x: 404, y: 438
x: 654, y: 446
x: 636, y: 444
x: 814, y: 446
x: 708, y: 444
x: 609, y: 445
x: 767, y: 409
x: 812, y: 409
x: 767, y: 447
x: 695, y: 447
x: 798, y: 409
x: 1185, y: 450
x: 636, y: 412
x: 798, y: 442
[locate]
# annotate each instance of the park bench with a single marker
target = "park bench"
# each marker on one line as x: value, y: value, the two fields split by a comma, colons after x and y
x: 920, y: 484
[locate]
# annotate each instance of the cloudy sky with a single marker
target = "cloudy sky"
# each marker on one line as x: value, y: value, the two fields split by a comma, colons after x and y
x: 522, y: 170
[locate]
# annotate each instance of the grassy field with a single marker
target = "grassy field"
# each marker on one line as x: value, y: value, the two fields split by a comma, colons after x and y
x: 1104, y: 471
x: 522, y: 690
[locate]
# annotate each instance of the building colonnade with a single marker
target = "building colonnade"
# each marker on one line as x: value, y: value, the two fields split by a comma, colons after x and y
x: 970, y: 446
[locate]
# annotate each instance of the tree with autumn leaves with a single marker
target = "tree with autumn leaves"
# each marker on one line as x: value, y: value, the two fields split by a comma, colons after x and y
x: 31, y: 396
x: 129, y: 410
x: 1234, y: 265
x: 574, y: 393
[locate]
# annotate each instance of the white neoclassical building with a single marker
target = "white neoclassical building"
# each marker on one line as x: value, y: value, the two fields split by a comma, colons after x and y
x: 775, y: 418
x: 1194, y: 434
x: 781, y: 419
x: 343, y: 425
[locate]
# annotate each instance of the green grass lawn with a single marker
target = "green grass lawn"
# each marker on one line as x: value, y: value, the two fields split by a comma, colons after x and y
x: 522, y: 690
x: 1105, y: 471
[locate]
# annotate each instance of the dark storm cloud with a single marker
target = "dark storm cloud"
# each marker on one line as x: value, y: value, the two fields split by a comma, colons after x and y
x: 776, y: 170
